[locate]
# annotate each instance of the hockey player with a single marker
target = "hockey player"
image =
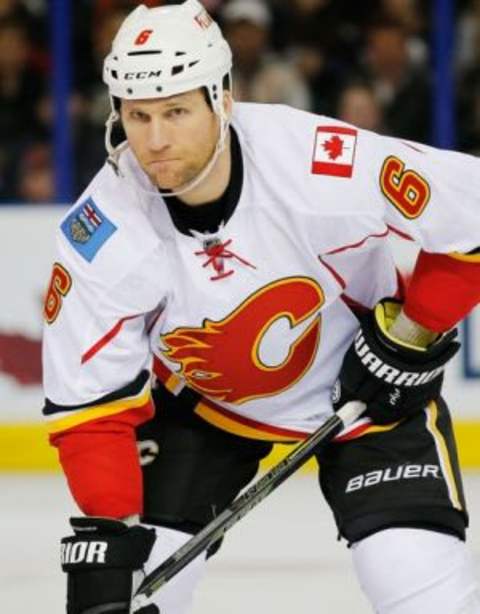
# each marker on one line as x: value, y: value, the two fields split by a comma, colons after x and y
x: 221, y: 272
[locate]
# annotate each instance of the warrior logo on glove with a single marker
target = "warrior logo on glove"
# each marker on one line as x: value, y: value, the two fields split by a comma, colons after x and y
x: 394, y: 379
x: 387, y: 372
x: 83, y: 552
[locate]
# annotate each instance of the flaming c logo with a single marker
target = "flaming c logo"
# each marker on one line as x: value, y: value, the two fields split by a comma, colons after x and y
x: 223, y: 359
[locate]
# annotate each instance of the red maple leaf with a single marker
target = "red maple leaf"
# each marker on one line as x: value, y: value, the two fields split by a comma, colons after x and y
x: 334, y: 146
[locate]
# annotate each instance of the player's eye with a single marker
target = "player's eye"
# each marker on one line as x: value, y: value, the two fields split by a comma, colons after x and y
x: 177, y: 112
x: 139, y: 116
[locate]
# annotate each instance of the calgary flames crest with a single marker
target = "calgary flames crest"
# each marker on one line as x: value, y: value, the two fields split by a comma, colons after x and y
x: 222, y: 359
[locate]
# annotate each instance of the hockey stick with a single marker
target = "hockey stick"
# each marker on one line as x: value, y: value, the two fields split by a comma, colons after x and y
x: 245, y: 502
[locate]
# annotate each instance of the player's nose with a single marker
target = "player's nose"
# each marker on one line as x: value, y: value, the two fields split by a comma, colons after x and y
x: 158, y: 136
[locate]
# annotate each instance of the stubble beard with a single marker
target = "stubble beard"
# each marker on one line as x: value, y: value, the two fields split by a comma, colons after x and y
x: 179, y: 178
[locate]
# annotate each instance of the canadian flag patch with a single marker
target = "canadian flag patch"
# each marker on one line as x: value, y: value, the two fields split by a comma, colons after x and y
x: 334, y: 151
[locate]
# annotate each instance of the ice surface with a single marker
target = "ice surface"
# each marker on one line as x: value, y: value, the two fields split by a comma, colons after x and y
x: 281, y: 558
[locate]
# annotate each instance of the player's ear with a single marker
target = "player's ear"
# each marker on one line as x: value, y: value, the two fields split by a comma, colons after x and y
x: 227, y: 103
x: 119, y: 108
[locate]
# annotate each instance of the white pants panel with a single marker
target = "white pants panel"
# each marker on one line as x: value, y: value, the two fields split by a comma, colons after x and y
x: 414, y: 571
x: 176, y: 596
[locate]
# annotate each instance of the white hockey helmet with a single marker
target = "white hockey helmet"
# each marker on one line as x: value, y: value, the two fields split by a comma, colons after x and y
x: 168, y: 50
x: 165, y: 51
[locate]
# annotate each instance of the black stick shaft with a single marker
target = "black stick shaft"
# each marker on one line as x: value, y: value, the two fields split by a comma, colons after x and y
x: 247, y: 501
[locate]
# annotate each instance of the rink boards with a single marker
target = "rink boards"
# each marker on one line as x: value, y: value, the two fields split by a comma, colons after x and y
x: 24, y: 447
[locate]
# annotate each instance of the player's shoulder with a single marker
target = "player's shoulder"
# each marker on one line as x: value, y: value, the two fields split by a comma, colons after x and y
x: 269, y: 125
x: 314, y: 156
x: 256, y: 119
x: 107, y: 230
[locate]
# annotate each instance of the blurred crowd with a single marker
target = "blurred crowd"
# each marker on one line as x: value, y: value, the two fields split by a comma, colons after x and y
x: 367, y: 63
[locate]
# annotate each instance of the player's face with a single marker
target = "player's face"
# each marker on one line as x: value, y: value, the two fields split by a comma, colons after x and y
x: 173, y: 138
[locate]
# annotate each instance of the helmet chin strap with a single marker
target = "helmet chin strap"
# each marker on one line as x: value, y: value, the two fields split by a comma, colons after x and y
x: 114, y: 152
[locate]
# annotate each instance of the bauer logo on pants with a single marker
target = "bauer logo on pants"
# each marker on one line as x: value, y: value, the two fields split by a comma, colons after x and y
x: 392, y: 474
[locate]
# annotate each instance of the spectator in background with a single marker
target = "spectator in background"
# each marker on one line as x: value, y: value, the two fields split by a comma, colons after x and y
x: 28, y: 34
x: 468, y: 64
x: 35, y: 177
x: 30, y: 155
x: 320, y: 73
x: 102, y: 7
x: 213, y: 6
x: 302, y: 22
x: 324, y: 38
x: 102, y: 34
x: 358, y: 105
x: 259, y: 75
x: 337, y: 25
x: 468, y: 37
x: 20, y: 84
x: 402, y: 88
x: 89, y: 145
x: 407, y: 13
x: 20, y: 87
x: 31, y: 14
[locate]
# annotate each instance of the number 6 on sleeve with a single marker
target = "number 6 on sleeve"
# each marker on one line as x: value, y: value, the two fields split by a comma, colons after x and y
x: 59, y: 287
x: 408, y: 191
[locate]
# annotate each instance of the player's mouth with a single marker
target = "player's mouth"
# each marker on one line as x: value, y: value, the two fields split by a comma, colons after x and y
x: 160, y: 165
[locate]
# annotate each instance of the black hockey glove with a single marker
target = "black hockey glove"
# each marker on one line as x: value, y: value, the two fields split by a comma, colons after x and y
x: 393, y: 378
x: 100, y: 560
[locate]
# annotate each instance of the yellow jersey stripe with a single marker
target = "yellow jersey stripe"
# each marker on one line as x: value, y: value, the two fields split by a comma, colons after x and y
x: 237, y: 428
x: 98, y: 411
x: 381, y: 428
x: 465, y: 257
x: 172, y: 383
x: 443, y: 455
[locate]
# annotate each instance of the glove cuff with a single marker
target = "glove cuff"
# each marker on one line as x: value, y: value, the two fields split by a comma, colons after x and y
x: 440, y: 351
x: 388, y: 317
x: 405, y: 330
x: 103, y: 543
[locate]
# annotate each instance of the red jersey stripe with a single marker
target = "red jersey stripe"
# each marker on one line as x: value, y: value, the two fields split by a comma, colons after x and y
x: 101, y: 343
x: 260, y: 426
x: 337, y: 276
x: 359, y: 243
x: 400, y: 233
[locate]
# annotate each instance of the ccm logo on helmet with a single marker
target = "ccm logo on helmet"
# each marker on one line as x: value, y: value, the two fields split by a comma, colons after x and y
x: 145, y: 74
x: 388, y: 373
x: 83, y: 552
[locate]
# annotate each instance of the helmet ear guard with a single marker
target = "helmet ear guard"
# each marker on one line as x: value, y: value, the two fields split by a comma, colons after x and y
x: 163, y: 51
x: 114, y: 117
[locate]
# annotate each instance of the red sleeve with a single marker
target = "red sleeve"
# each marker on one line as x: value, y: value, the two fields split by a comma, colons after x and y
x: 443, y: 289
x: 101, y: 464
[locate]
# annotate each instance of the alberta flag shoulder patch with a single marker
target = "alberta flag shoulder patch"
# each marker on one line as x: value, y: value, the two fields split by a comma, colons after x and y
x: 334, y: 151
x: 87, y: 228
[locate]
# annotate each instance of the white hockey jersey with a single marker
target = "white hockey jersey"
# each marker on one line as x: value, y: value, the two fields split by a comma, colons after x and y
x: 256, y: 317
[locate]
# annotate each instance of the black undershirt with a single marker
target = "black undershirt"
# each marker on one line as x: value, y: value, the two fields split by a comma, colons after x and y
x: 208, y: 216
